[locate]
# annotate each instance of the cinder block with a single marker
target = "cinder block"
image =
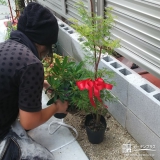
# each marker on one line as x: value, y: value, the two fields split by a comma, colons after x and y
x: 118, y: 111
x: 77, y: 49
x: 142, y: 134
x: 121, y: 77
x: 157, y: 96
x: 63, y: 52
x: 142, y: 103
x: 64, y: 38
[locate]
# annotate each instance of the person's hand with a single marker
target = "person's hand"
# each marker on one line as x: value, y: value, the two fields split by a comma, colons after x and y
x: 47, y: 87
x: 46, y: 84
x: 61, y: 106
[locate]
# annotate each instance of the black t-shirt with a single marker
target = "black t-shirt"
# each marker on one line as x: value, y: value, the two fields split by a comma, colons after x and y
x: 21, y: 82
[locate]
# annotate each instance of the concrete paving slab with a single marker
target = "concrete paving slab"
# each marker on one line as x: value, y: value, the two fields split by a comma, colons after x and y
x: 62, y: 136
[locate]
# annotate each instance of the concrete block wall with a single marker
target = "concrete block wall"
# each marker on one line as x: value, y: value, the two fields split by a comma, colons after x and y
x: 138, y: 105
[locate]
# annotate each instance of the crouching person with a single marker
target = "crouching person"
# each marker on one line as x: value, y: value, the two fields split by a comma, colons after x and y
x: 21, y: 84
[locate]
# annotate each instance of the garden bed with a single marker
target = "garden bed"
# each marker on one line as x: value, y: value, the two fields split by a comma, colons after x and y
x: 111, y: 147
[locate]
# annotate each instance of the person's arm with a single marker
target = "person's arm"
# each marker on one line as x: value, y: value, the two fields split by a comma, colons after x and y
x: 30, y: 95
x: 30, y: 120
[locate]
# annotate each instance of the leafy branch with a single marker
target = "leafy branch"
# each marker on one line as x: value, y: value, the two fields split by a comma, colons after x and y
x: 3, y: 2
x: 96, y: 30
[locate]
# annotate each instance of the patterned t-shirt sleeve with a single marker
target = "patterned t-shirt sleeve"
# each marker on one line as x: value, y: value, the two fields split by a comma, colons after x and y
x: 30, y: 89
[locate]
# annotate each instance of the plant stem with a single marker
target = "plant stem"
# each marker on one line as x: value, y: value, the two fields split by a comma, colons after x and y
x: 96, y: 65
x: 97, y: 118
x: 95, y: 53
x: 10, y: 10
x: 92, y: 12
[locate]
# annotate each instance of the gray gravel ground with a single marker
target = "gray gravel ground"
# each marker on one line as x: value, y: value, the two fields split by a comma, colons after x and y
x: 111, y: 147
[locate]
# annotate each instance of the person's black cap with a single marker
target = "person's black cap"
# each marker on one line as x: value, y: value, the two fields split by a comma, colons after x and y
x: 38, y: 24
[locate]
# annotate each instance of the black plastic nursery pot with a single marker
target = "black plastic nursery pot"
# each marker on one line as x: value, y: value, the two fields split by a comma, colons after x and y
x: 63, y: 115
x: 60, y: 115
x: 95, y: 137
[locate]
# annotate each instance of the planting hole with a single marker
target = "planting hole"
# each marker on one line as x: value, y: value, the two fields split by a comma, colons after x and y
x: 62, y: 25
x: 70, y: 32
x: 116, y: 65
x: 125, y: 72
x: 108, y: 59
x: 66, y: 28
x: 157, y: 96
x: 80, y: 39
x: 147, y: 88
